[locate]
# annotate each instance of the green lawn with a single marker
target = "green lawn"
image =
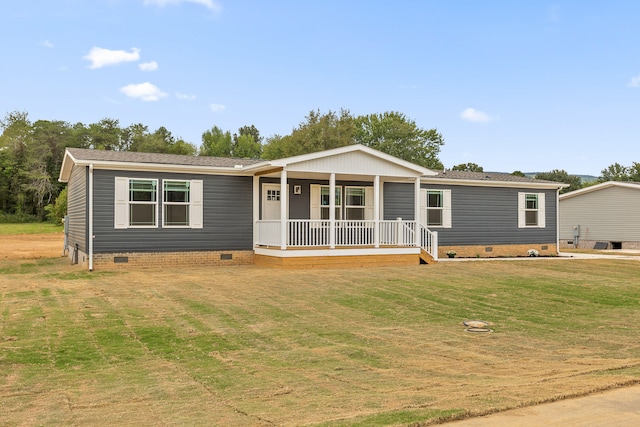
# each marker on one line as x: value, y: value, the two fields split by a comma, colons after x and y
x: 30, y: 228
x: 251, y: 346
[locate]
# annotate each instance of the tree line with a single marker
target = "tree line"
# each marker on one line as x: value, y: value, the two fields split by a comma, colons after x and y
x: 31, y: 153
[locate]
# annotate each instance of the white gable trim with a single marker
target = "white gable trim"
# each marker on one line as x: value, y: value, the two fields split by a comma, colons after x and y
x: 289, y: 161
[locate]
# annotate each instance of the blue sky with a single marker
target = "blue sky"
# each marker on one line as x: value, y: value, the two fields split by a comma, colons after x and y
x: 511, y: 85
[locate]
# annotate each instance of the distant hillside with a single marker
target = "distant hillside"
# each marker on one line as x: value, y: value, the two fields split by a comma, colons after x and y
x: 584, y: 178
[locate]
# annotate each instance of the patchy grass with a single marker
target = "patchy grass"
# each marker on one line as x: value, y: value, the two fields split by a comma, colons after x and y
x: 30, y: 228
x: 257, y: 346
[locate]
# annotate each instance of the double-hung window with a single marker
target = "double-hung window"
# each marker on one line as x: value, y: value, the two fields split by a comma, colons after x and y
x: 176, y: 203
x: 435, y: 208
x: 325, y: 202
x: 143, y: 202
x: 138, y: 200
x: 531, y: 210
x: 355, y: 202
x: 351, y: 203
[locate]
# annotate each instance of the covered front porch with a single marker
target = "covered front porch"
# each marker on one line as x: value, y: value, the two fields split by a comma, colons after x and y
x: 364, y: 242
x: 334, y: 204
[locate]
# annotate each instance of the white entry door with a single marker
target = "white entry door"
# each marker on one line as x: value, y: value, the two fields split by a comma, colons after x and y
x: 270, y: 201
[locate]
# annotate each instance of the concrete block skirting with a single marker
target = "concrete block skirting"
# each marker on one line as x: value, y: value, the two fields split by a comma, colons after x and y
x: 124, y: 260
x: 498, y: 251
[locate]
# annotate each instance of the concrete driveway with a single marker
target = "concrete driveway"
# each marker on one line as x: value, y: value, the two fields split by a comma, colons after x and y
x: 620, y: 407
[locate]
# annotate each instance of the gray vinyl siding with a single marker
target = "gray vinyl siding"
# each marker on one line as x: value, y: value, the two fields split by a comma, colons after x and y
x: 300, y: 204
x: 227, y: 217
x: 398, y: 201
x: 77, y: 206
x: 479, y: 215
x: 608, y: 214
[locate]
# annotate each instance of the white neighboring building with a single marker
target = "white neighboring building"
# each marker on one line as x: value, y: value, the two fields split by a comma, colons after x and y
x: 607, y: 212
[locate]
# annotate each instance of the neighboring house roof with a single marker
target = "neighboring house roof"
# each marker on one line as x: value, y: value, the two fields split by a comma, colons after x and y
x: 490, y: 179
x: 601, y: 186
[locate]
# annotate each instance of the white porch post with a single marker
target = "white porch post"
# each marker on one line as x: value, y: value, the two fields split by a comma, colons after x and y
x: 283, y: 209
x: 376, y: 211
x: 332, y: 211
x: 256, y: 209
x: 416, y: 215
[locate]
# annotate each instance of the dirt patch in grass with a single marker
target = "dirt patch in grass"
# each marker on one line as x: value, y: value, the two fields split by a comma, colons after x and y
x: 263, y: 347
x: 31, y: 246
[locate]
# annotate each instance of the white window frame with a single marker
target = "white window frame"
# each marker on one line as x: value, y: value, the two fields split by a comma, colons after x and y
x: 362, y: 207
x: 123, y: 203
x: 165, y: 204
x: 316, y: 205
x: 337, y: 206
x: 446, y: 207
x: 522, y: 210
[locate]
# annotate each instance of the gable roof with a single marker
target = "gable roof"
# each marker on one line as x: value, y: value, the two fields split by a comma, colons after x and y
x: 350, y: 151
x: 147, y: 161
x: 601, y: 186
x: 491, y: 179
x: 348, y: 159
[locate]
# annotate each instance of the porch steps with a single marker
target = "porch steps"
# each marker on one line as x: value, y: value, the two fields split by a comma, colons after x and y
x: 426, y: 258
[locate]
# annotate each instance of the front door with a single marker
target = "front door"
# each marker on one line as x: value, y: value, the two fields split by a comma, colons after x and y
x: 270, y: 201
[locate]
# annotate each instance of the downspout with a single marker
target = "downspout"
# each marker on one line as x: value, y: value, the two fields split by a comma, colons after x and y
x: 91, y: 217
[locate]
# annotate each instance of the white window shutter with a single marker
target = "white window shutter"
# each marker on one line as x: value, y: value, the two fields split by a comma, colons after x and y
x: 423, y: 206
x: 368, y: 203
x: 196, y: 208
x: 446, y: 208
x: 315, y: 201
x: 521, y: 212
x: 121, y: 203
x: 541, y: 211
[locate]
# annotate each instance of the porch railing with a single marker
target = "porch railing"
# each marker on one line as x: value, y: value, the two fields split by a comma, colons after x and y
x: 429, y: 241
x: 313, y: 233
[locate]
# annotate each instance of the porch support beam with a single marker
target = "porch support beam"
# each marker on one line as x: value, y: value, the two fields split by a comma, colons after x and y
x: 416, y: 207
x: 283, y: 209
x: 376, y: 211
x: 332, y: 211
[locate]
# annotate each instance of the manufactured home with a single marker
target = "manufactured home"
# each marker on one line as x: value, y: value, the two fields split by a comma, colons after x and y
x: 350, y: 206
x: 605, y: 215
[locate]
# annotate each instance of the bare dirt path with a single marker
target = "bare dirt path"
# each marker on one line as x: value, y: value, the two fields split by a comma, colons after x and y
x: 31, y: 246
x: 620, y: 407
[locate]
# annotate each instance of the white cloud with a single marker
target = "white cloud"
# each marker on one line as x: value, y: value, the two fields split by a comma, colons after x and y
x: 100, y: 57
x: 148, y: 66
x: 635, y: 81
x: 143, y: 91
x: 184, y: 96
x: 209, y: 4
x: 475, y: 116
x: 216, y: 108
x: 46, y: 43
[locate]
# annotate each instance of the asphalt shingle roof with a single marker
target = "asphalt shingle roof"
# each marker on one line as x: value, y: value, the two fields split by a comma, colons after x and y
x: 156, y: 158
x: 484, y: 176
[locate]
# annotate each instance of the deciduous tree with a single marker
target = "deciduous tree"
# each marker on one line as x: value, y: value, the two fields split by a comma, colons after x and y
x: 559, y: 175
x: 468, y: 167
x: 394, y: 133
